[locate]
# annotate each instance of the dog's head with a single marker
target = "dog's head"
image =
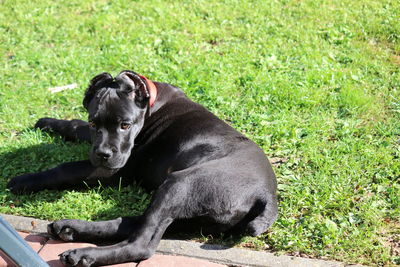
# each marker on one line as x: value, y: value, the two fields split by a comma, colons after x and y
x: 117, y: 108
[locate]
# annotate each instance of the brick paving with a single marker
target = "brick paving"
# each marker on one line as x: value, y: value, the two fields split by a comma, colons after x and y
x: 49, y: 250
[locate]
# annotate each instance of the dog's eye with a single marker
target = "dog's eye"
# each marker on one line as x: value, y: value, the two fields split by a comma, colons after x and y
x: 125, y: 126
x: 92, y: 124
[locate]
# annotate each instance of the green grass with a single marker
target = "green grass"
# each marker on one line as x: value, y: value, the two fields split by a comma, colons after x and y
x: 314, y: 83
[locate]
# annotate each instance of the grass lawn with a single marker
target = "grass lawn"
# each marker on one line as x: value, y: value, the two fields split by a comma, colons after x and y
x: 315, y: 83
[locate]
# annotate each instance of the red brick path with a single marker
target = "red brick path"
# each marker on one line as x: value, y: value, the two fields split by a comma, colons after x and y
x: 49, y: 250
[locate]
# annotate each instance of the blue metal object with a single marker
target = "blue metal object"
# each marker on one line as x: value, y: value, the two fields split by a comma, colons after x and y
x: 12, y: 244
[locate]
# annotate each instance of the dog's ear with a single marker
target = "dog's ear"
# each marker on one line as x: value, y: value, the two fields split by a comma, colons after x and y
x: 96, y: 83
x: 136, y: 88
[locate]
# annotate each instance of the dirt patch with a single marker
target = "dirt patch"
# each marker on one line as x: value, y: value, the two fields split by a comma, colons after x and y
x: 276, y: 161
x: 396, y: 59
x: 391, y: 236
x: 377, y: 45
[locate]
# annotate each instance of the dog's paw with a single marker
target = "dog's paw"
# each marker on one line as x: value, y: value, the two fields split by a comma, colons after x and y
x: 20, y: 184
x: 77, y: 257
x: 62, y: 229
x: 44, y: 123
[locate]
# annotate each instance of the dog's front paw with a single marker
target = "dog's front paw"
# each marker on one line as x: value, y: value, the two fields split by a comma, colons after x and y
x: 23, y: 183
x: 45, y: 123
x: 77, y: 257
x: 63, y: 229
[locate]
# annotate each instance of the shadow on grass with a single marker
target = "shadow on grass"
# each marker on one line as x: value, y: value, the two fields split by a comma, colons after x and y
x: 32, y: 159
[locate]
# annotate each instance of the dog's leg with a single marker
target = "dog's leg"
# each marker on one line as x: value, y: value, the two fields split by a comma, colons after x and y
x: 66, y: 175
x: 78, y: 230
x: 167, y: 204
x: 71, y: 130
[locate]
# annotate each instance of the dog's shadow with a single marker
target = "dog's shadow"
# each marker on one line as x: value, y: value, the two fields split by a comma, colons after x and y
x: 36, y: 158
x: 27, y: 158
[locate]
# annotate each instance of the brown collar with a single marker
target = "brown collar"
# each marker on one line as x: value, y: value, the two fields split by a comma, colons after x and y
x: 152, y: 90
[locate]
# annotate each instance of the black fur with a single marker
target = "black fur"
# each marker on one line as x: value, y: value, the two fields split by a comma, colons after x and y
x: 200, y: 168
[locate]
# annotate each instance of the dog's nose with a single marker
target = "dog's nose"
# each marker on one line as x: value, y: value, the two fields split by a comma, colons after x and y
x: 104, y: 154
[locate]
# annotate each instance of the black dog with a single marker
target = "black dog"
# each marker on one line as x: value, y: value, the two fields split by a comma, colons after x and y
x: 200, y: 168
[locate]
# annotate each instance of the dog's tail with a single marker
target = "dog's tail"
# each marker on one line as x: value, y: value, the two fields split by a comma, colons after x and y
x: 265, y: 218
